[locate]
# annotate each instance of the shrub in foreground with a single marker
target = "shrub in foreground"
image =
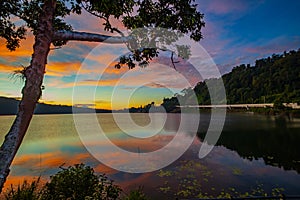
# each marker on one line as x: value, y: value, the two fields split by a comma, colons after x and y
x: 78, y: 182
x: 24, y: 191
x: 81, y: 183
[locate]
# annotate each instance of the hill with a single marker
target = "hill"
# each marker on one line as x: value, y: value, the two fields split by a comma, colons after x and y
x: 9, y: 106
x: 271, y: 80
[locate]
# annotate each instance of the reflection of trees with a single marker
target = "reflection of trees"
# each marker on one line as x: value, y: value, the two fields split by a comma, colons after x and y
x: 276, y: 145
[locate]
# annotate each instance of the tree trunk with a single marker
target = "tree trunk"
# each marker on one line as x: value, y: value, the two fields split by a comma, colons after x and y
x: 31, y: 92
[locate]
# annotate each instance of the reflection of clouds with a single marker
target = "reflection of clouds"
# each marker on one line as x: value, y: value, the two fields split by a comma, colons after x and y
x: 220, y: 162
x: 145, y: 151
x: 29, y: 165
x: 144, y: 145
x: 49, y: 159
x: 142, y: 179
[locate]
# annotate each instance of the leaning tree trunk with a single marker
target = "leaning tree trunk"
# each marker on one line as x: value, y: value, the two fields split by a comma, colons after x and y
x: 31, y: 92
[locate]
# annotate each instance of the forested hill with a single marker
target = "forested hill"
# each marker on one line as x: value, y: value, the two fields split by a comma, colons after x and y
x: 270, y: 80
x: 9, y: 106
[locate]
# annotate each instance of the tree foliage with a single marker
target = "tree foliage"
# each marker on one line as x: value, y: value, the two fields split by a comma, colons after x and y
x: 271, y: 80
x: 25, y: 191
x: 132, y: 14
x: 80, y: 182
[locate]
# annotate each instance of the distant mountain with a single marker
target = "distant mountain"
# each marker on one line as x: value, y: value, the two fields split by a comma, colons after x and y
x: 9, y: 106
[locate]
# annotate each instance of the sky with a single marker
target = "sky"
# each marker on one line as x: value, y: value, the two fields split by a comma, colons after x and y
x: 83, y: 74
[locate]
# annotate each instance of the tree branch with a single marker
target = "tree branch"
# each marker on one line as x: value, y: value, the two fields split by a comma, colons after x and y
x: 172, y: 60
x: 90, y: 37
x: 106, y: 19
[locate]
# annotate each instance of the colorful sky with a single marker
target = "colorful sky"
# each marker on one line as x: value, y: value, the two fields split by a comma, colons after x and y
x: 236, y: 32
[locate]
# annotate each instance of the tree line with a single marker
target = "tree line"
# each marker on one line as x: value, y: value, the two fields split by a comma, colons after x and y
x: 275, y: 79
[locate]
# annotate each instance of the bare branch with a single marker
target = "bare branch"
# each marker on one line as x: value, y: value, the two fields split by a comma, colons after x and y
x: 90, y: 37
x: 172, y: 60
x: 118, y: 31
x: 112, y: 29
x: 92, y: 13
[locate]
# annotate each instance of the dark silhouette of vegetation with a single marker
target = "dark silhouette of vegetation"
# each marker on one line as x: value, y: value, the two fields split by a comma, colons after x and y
x: 137, y: 194
x: 151, y: 107
x: 78, y: 182
x: 9, y: 106
x: 142, y: 109
x: 170, y: 104
x: 25, y: 191
x: 274, y: 79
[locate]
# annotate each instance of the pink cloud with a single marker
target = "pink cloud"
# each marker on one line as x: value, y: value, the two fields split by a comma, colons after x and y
x: 92, y: 23
x: 226, y: 6
x: 278, y: 44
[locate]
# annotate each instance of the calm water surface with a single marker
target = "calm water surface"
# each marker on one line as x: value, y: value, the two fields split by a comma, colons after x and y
x: 254, y: 153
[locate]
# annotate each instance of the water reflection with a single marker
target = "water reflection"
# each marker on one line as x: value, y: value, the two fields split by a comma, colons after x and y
x: 274, y: 139
x: 249, y: 137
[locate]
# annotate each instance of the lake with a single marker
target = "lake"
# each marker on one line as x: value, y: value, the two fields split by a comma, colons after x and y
x: 255, y: 154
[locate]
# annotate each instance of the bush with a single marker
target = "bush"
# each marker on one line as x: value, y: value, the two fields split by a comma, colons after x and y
x: 26, y: 191
x: 80, y: 183
x: 137, y: 194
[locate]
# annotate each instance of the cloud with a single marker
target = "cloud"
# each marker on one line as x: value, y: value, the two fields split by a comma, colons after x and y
x: 274, y: 45
x: 63, y: 68
x: 159, y: 74
x: 248, y: 52
x: 14, y: 60
x: 73, y: 51
x: 25, y: 50
x: 154, y: 85
x: 151, y: 76
x: 87, y: 105
x: 105, y: 104
x: 105, y: 169
x: 91, y: 23
x: 102, y: 101
x: 8, y: 68
x: 91, y: 82
x: 84, y: 59
x: 225, y: 7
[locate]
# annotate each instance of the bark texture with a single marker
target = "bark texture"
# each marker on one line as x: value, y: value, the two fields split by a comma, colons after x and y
x: 31, y: 92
